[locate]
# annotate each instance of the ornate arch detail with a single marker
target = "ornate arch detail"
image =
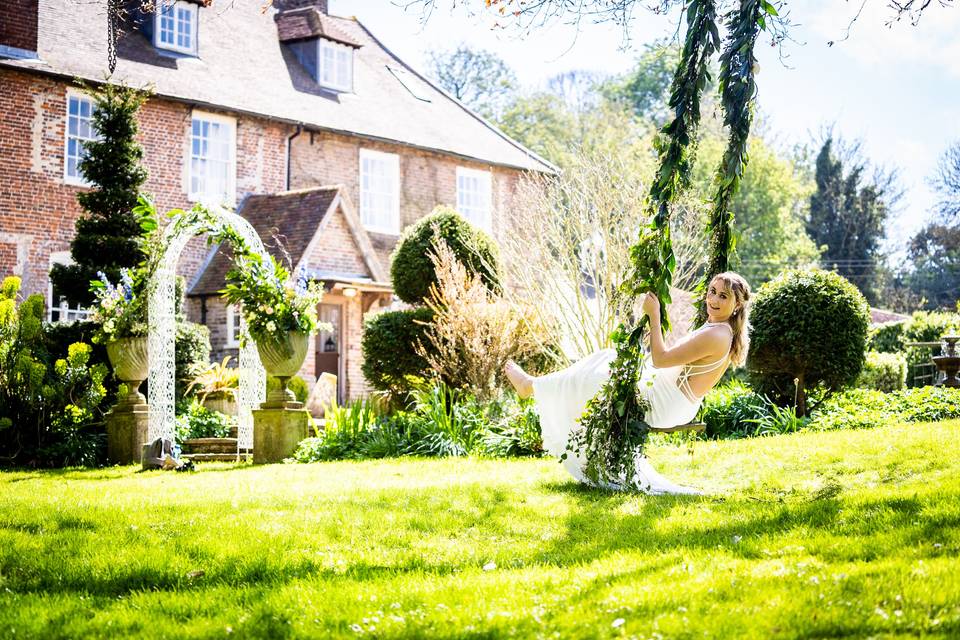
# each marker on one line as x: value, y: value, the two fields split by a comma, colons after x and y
x: 220, y: 224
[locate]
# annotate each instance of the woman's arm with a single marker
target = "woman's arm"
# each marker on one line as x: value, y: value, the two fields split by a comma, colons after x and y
x: 712, y: 342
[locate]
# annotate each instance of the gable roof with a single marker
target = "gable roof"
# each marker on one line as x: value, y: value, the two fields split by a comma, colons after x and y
x: 288, y: 223
x: 243, y: 67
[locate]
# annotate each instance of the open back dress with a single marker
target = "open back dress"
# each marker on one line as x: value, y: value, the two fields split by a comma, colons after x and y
x: 560, y: 398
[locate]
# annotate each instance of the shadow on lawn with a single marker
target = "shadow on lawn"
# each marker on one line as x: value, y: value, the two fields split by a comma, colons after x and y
x: 595, y: 526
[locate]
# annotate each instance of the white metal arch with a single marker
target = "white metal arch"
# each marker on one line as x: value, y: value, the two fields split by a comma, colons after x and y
x: 162, y: 335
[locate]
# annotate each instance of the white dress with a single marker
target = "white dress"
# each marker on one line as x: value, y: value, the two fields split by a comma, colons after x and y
x: 561, y: 397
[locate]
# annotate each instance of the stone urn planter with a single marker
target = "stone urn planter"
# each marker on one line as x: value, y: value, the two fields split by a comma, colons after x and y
x: 283, y: 360
x: 130, y: 362
x: 223, y: 402
x: 127, y: 421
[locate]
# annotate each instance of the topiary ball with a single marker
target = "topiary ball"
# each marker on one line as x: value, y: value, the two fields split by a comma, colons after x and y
x: 810, y: 326
x: 411, y: 268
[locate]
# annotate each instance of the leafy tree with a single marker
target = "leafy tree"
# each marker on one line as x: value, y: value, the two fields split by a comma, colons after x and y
x: 946, y: 183
x: 542, y: 123
x: 935, y: 256
x: 848, y: 212
x: 109, y: 233
x: 477, y: 78
x: 645, y: 90
x: 770, y: 208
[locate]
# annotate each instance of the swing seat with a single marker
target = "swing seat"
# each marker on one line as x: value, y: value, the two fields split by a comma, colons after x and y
x: 696, y: 427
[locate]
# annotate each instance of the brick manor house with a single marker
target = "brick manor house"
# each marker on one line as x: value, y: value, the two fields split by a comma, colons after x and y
x: 318, y: 135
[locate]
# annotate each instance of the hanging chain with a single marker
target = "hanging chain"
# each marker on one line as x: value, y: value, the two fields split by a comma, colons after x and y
x: 113, y: 32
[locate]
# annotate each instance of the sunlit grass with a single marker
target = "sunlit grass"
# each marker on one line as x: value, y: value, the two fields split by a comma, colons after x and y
x: 812, y: 535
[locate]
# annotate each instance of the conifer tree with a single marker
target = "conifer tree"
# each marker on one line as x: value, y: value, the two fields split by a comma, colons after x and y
x: 108, y: 232
x: 848, y: 215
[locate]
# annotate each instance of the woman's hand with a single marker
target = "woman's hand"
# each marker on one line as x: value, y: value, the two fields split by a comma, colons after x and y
x: 651, y: 306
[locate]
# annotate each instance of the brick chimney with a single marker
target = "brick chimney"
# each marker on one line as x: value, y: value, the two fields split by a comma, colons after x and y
x: 285, y: 5
x: 18, y: 27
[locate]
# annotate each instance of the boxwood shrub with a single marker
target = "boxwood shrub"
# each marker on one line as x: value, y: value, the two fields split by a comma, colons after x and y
x: 809, y: 333
x: 411, y: 269
x: 883, y: 372
x: 390, y: 359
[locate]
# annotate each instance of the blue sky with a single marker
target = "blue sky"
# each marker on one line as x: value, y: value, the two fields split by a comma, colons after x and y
x: 898, y: 88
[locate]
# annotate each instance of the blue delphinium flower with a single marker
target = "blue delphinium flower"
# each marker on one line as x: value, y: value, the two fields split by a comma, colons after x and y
x: 127, y: 284
x: 302, y: 281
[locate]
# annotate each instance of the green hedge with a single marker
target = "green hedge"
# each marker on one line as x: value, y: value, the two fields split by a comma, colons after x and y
x: 191, y: 355
x: 887, y: 337
x: 811, y: 326
x: 411, y: 268
x: 883, y: 372
x: 390, y: 359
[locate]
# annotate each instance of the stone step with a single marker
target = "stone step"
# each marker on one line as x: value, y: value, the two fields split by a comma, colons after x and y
x: 216, y: 457
x: 210, y: 445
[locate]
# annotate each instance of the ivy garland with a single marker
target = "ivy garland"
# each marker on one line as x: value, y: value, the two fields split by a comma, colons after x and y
x: 738, y: 90
x: 612, y: 429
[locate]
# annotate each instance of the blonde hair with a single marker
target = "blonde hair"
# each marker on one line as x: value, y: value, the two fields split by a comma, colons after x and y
x: 740, y: 318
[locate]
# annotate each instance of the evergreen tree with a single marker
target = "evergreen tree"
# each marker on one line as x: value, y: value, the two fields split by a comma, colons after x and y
x: 847, y: 216
x: 108, y: 233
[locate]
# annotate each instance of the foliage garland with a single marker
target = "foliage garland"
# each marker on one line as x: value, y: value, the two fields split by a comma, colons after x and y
x: 738, y: 90
x: 612, y: 430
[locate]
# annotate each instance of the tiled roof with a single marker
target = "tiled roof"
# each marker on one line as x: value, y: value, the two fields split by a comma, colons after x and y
x: 286, y: 222
x: 299, y: 24
x: 880, y: 316
x: 243, y: 67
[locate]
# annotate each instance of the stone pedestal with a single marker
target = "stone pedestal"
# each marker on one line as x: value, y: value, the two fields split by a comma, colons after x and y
x: 277, y: 432
x: 127, y: 432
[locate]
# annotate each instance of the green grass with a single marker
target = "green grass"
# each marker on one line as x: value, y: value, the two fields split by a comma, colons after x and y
x: 814, y: 535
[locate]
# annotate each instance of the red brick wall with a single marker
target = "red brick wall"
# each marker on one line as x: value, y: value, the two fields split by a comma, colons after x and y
x: 426, y: 178
x: 18, y: 24
x: 336, y: 251
x: 38, y: 210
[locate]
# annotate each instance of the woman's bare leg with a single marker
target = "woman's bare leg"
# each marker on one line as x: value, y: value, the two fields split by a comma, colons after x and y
x: 520, y: 379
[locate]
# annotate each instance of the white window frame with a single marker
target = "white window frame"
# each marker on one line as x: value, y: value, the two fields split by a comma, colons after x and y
x: 176, y: 6
x: 230, y: 197
x: 65, y: 313
x: 337, y: 83
x: 233, y: 331
x: 393, y: 161
x: 469, y: 211
x: 77, y: 180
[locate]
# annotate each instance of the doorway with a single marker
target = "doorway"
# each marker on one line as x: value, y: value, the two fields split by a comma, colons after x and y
x: 330, y: 345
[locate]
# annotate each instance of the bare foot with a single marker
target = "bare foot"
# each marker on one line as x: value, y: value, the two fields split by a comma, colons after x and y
x: 521, y: 381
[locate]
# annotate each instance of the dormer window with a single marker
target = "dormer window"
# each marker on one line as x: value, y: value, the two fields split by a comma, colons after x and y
x: 175, y: 27
x: 335, y: 68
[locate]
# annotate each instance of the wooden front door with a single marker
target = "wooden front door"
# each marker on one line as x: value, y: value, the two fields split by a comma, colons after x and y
x: 330, y: 345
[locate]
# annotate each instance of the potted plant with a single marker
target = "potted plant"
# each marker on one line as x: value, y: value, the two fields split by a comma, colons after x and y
x: 281, y: 316
x: 217, y: 387
x: 120, y: 312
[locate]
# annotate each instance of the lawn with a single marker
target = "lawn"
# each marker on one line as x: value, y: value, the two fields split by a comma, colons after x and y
x: 812, y: 535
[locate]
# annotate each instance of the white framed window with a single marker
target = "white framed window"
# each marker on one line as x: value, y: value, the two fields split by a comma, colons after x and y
x: 175, y: 26
x: 233, y: 326
x: 78, y: 132
x: 58, y: 309
x: 380, y: 191
x: 213, y: 159
x: 473, y: 196
x: 335, y: 65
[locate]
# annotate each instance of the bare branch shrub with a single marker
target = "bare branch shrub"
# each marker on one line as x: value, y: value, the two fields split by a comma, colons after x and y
x: 566, y: 248
x: 474, y: 331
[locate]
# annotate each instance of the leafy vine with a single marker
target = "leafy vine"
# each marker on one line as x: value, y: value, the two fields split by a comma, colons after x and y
x: 613, y: 428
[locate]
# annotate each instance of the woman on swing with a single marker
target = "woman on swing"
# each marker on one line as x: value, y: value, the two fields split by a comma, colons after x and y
x: 674, y: 380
